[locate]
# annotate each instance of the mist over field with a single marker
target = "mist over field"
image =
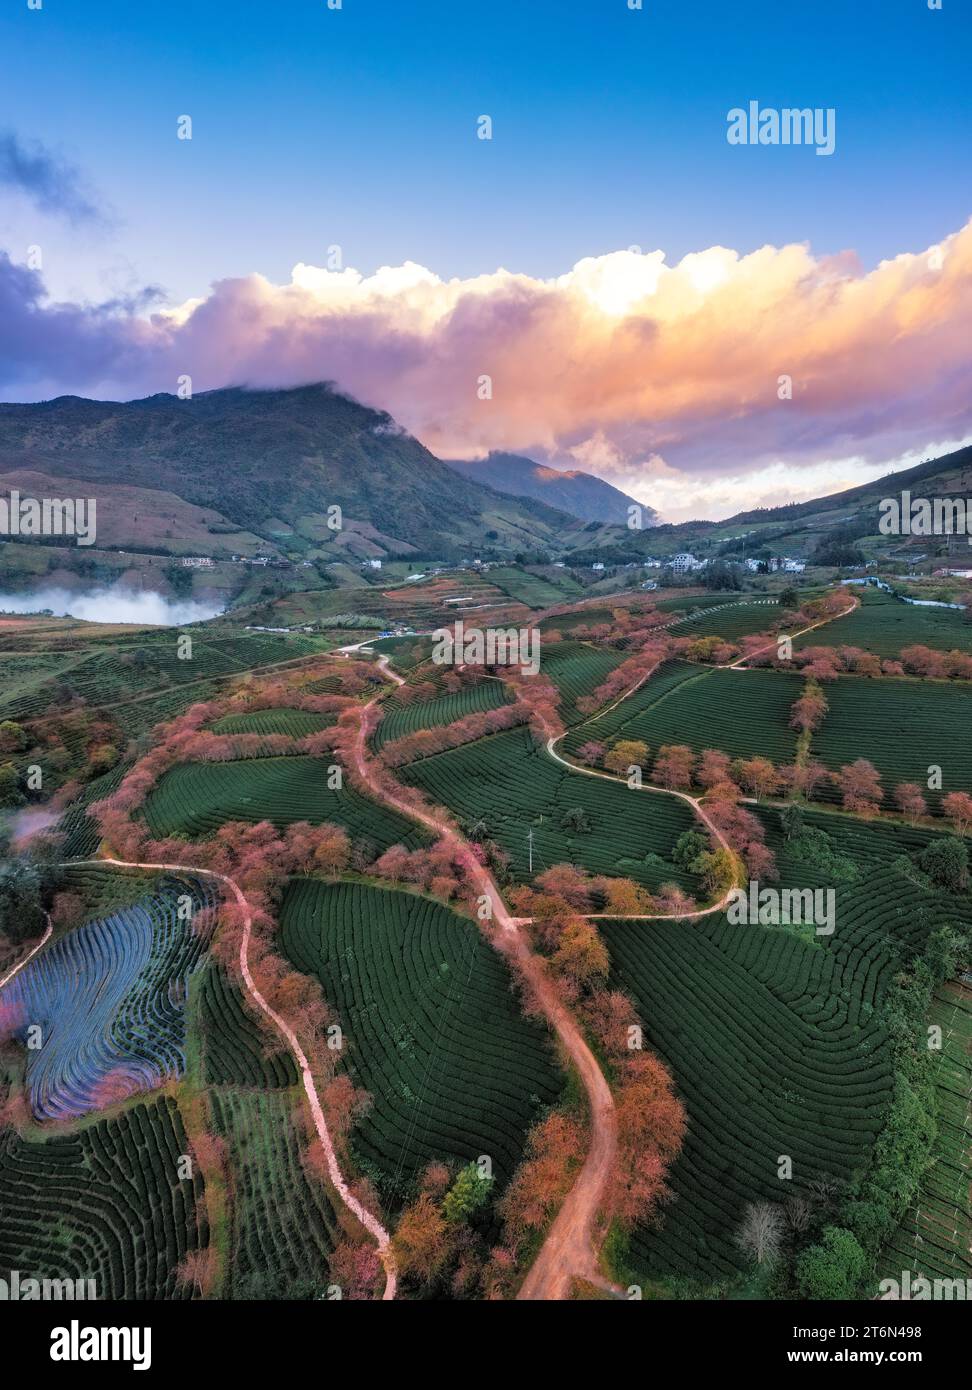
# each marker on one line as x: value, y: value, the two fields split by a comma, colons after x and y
x: 116, y: 604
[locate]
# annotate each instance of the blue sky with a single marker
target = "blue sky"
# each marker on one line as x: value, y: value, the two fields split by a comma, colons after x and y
x: 356, y: 127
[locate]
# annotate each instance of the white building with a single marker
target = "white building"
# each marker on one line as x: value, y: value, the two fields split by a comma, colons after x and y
x: 684, y: 561
x: 375, y: 564
x: 198, y: 562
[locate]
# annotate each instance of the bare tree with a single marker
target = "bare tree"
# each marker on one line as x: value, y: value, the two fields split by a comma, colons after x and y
x: 761, y: 1232
x: 797, y: 1213
x: 824, y: 1190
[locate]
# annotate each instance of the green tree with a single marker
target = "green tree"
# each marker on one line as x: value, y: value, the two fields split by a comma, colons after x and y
x: 467, y: 1195
x: 946, y: 862
x: 10, y: 793
x: 833, y: 1268
x: 689, y: 845
x: 13, y: 739
x: 21, y: 910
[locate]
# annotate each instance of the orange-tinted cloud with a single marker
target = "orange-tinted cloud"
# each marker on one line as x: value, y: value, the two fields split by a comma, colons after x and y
x: 661, y: 378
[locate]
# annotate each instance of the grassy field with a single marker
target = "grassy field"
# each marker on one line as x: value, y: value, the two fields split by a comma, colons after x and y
x: 195, y: 799
x: 883, y: 625
x: 513, y: 786
x: 904, y: 727
x: 432, y: 1029
x: 744, y: 713
x: 776, y: 1043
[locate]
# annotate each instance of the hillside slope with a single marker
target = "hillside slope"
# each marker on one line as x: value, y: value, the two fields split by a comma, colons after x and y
x: 583, y: 495
x: 272, y: 462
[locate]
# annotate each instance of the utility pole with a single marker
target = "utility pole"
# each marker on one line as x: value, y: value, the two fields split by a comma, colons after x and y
x: 530, y: 844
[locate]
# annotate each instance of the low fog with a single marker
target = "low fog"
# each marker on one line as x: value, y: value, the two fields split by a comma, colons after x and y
x: 111, y: 605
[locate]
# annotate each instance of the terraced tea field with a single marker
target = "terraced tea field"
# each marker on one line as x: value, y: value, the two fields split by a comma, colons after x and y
x: 432, y: 1029
x: 109, y: 1000
x: 534, y: 590
x: 775, y: 1046
x: 904, y: 727
x: 513, y: 786
x: 743, y: 713
x: 105, y: 1203
x: 402, y: 719
x: 195, y: 799
x: 935, y: 1239
x: 106, y: 673
x: 884, y: 624
x: 731, y: 619
x: 296, y: 723
x: 283, y: 1227
x: 576, y: 669
x: 236, y: 1051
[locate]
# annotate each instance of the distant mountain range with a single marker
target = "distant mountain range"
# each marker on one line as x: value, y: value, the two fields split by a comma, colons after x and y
x: 241, y: 471
x: 272, y: 463
x: 580, y: 494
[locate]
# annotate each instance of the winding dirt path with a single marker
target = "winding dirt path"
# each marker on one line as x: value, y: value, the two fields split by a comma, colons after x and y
x: 370, y: 1222
x: 571, y: 1247
x: 821, y: 622
x: 30, y: 954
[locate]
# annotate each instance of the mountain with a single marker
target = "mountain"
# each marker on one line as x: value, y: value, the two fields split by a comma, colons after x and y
x: 580, y: 494
x: 940, y: 477
x: 272, y: 463
x: 839, y: 528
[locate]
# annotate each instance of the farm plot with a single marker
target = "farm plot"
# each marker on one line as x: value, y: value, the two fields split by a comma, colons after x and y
x: 689, y: 603
x: 577, y: 617
x: 731, y: 619
x: 432, y: 1029
x: 108, y: 1000
x: 195, y: 799
x: 236, y: 1051
x: 283, y: 1227
x: 884, y: 624
x: 106, y: 1203
x: 512, y: 787
x: 935, y: 1238
x: 758, y: 1078
x: 576, y: 669
x: 81, y: 832
x: 743, y: 713
x: 904, y: 727
x: 297, y: 723
x: 402, y: 719
x: 533, y: 589
x: 777, y: 1047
